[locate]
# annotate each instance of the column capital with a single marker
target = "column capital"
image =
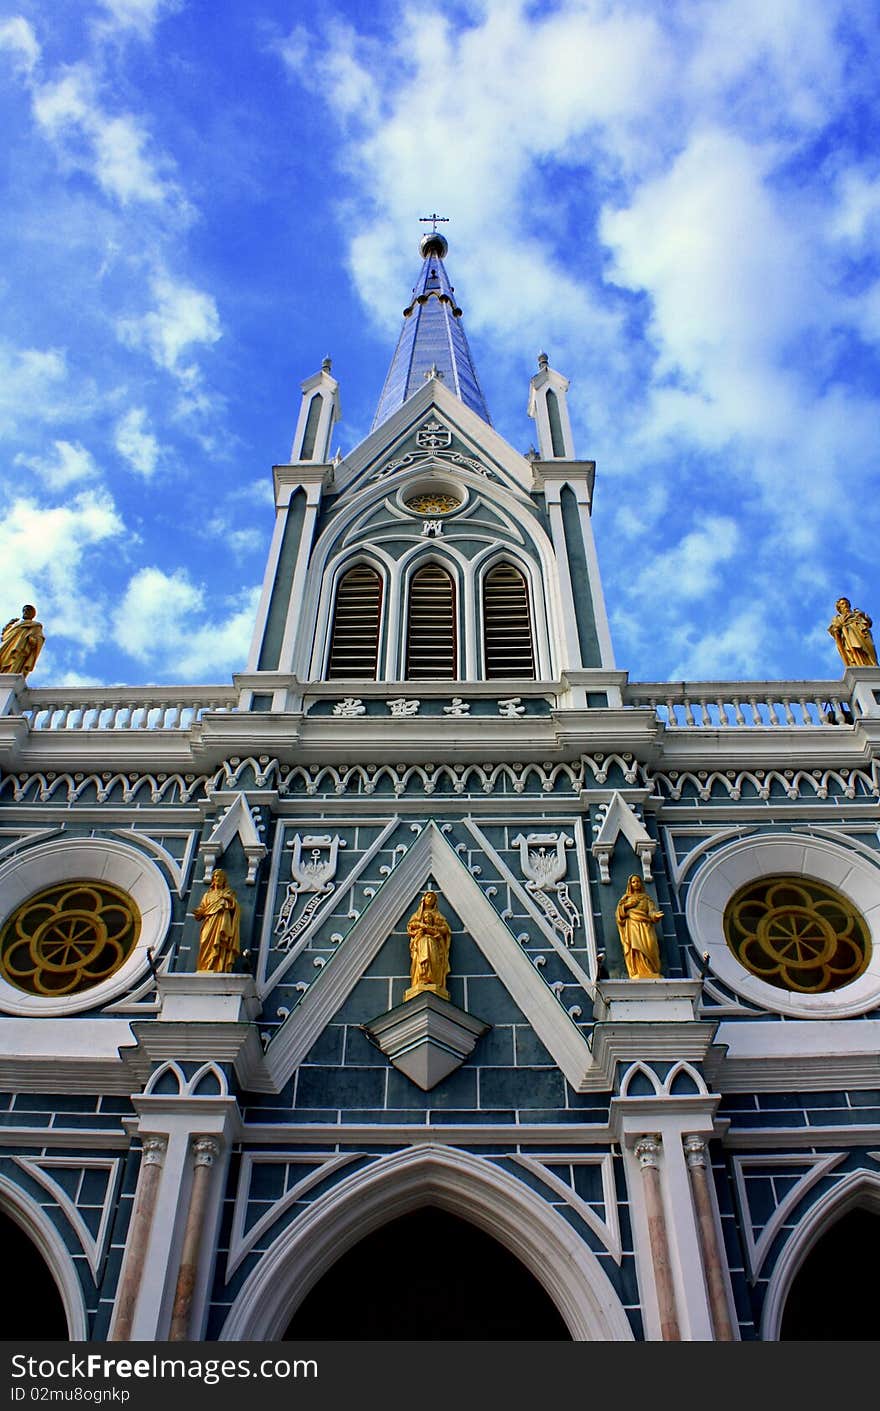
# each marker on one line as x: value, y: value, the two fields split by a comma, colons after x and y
x: 695, y: 1151
x: 647, y: 1151
x: 155, y: 1147
x: 205, y: 1150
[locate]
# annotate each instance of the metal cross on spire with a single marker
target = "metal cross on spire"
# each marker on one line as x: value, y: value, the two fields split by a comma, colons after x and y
x: 434, y: 219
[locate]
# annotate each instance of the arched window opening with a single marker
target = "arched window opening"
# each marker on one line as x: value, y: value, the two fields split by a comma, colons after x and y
x: 422, y: 1272
x: 430, y: 638
x: 833, y: 1295
x: 32, y: 1308
x: 310, y: 434
x: 557, y: 440
x: 354, y: 641
x: 507, y: 625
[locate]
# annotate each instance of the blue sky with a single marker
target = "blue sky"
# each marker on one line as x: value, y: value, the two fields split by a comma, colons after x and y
x: 680, y: 202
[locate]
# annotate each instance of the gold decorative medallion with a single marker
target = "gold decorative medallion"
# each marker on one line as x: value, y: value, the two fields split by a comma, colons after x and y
x: 68, y: 938
x: 433, y: 503
x: 797, y: 934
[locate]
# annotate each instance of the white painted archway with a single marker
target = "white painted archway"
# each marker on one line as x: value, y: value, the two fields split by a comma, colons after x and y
x: 456, y: 1181
x: 36, y: 1224
x: 858, y: 1188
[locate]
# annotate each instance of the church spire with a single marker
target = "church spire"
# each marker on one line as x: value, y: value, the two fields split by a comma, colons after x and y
x: 432, y: 341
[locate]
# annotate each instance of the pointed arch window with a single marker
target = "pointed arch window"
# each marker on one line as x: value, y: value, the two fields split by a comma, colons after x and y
x: 557, y: 440
x: 310, y: 435
x: 507, y: 624
x: 354, y: 640
x: 430, y: 637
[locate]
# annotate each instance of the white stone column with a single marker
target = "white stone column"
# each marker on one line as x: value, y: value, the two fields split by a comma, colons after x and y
x: 181, y: 1120
x: 205, y: 1151
x: 152, y: 1160
x: 664, y: 1120
x: 696, y: 1156
x: 647, y: 1152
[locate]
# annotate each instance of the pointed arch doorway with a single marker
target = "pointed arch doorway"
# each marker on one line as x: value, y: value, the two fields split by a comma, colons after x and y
x: 31, y: 1306
x: 833, y: 1294
x: 428, y: 1276
x: 454, y: 1181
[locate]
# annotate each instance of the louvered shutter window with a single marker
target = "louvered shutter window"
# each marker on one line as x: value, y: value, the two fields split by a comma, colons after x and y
x: 507, y: 627
x: 354, y: 645
x: 430, y: 639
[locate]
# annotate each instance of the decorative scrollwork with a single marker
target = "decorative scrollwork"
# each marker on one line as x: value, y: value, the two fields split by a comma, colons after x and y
x: 797, y: 934
x: 68, y: 938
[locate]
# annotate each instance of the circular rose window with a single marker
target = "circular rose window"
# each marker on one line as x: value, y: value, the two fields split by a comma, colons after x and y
x: 433, y: 502
x: 797, y: 934
x: 68, y: 937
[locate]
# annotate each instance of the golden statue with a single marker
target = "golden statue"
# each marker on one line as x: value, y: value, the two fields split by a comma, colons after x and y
x: 429, y: 941
x: 636, y: 917
x: 21, y: 642
x: 220, y: 915
x: 851, y: 630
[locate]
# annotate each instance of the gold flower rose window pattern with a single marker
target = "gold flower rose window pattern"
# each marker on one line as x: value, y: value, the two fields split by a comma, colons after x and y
x: 68, y: 938
x: 797, y: 934
x: 433, y: 502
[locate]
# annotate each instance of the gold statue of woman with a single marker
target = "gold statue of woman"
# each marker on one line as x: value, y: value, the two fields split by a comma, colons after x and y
x: 220, y: 915
x: 429, y: 942
x: 21, y: 642
x: 851, y: 630
x: 636, y: 916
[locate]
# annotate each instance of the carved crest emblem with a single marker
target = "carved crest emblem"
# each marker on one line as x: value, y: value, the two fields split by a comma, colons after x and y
x: 544, y: 865
x: 432, y: 436
x: 312, y: 868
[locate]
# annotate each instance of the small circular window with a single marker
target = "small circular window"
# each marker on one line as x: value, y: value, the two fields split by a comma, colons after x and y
x: 435, y: 502
x: 68, y: 937
x: 797, y: 934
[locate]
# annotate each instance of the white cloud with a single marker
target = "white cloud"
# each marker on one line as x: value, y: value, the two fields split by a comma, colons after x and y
x: 727, y: 273
x: 69, y: 463
x: 17, y: 36
x: 44, y: 551
x: 241, y: 540
x: 136, y: 442
x: 736, y: 649
x: 856, y: 216
x: 258, y: 493
x: 690, y: 568
x: 115, y: 149
x: 139, y: 16
x: 162, y: 620
x: 31, y: 380
x: 183, y: 318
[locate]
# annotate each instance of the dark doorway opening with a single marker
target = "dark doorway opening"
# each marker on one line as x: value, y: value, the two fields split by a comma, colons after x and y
x: 30, y: 1305
x: 833, y: 1296
x: 427, y: 1277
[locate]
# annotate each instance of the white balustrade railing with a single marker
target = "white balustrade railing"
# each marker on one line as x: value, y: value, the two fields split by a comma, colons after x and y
x: 711, y: 705
x: 121, y: 708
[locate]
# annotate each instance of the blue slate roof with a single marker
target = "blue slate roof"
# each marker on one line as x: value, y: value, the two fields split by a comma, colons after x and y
x: 432, y: 336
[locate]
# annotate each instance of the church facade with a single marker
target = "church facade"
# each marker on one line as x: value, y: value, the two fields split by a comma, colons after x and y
x: 434, y: 915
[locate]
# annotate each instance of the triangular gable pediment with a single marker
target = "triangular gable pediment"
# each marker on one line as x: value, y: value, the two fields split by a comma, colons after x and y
x: 430, y: 860
x: 482, y: 441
